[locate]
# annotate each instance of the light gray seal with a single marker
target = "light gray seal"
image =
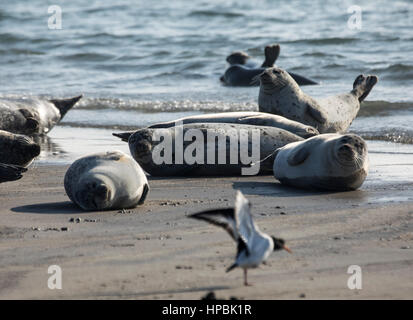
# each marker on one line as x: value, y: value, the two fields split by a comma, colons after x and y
x: 243, y: 72
x: 17, y: 149
x: 206, y: 149
x: 327, y: 161
x: 105, y: 181
x: 247, y: 117
x: 9, y: 172
x: 33, y: 115
x: 280, y: 94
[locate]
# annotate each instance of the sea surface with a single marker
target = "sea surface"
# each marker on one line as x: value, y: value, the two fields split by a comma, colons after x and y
x: 139, y: 62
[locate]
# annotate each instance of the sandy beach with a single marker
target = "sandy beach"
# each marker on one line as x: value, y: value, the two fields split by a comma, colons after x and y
x: 155, y: 252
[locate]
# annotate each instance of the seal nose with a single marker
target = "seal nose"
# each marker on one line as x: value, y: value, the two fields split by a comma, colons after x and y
x: 345, y: 148
x: 346, y: 152
x: 101, y: 190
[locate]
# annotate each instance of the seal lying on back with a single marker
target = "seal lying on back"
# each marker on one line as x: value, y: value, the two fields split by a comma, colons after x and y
x: 174, y: 151
x: 17, y: 149
x: 243, y: 72
x: 9, y: 172
x: 33, y: 115
x: 104, y: 181
x: 248, y: 117
x: 280, y: 94
x: 327, y: 161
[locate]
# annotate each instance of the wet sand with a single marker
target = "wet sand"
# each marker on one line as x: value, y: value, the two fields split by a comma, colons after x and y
x: 155, y: 252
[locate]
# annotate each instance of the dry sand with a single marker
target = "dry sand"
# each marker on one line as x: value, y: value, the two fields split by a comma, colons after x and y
x: 155, y: 252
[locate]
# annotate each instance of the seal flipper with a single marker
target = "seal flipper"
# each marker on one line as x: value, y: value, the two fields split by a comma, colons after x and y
x: 123, y: 135
x: 316, y: 114
x: 64, y: 105
x: 300, y: 155
x: 363, y: 85
x: 271, y: 55
x: 302, y: 81
x: 9, y: 172
x: 31, y: 122
x: 144, y: 193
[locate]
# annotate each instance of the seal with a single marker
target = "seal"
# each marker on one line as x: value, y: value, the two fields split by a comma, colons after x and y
x: 104, y: 181
x: 9, y: 172
x: 248, y: 117
x: 243, y: 72
x: 33, y: 115
x: 17, y: 149
x: 218, y: 149
x: 327, y: 161
x: 280, y: 94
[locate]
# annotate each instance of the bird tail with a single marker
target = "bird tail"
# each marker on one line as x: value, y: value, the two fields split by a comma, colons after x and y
x: 233, y: 266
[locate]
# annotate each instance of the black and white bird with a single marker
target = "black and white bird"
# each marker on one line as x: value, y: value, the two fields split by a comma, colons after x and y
x: 253, y: 246
x: 10, y: 172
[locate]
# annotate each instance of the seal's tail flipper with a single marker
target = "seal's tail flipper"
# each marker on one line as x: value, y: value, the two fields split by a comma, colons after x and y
x: 363, y: 85
x: 123, y: 135
x: 144, y: 193
x: 302, y: 81
x: 271, y: 55
x: 9, y: 172
x: 64, y: 105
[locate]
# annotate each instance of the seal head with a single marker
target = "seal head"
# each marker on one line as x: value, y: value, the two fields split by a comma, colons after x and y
x: 17, y: 149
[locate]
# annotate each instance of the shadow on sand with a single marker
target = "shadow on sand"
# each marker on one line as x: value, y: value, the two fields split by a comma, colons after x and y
x: 275, y: 188
x: 65, y: 207
x: 160, y: 292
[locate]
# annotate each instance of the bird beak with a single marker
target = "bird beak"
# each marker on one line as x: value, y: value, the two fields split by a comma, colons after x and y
x: 287, y: 249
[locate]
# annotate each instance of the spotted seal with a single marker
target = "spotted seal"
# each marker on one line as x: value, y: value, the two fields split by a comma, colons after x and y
x: 17, y: 149
x: 243, y: 72
x: 33, y: 115
x: 280, y: 94
x: 327, y: 161
x: 206, y: 149
x: 107, y: 180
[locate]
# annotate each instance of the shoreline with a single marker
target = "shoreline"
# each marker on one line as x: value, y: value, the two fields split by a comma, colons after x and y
x: 155, y: 252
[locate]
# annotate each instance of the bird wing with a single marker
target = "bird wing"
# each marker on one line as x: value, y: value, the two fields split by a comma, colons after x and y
x: 243, y: 219
x: 9, y: 172
x: 224, y: 218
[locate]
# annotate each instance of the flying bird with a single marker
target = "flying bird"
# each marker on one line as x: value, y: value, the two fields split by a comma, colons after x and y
x: 253, y: 246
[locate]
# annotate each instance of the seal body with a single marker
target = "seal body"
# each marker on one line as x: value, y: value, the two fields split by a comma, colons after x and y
x: 33, y: 115
x: 207, y: 149
x: 244, y: 72
x: 249, y: 117
x: 104, y: 181
x: 17, y: 149
x: 327, y: 161
x: 280, y: 94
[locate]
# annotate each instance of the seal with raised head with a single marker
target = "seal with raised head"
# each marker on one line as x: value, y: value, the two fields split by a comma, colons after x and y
x: 280, y: 94
x: 206, y: 149
x: 243, y: 72
x: 9, y: 172
x: 33, y: 115
x: 17, y: 149
x: 245, y: 117
x: 327, y: 161
x: 105, y: 181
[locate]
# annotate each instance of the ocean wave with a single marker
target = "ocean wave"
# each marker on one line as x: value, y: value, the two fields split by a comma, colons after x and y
x: 163, y: 106
x: 216, y: 13
x: 382, y: 108
x: 393, y: 135
x: 323, y: 41
x: 397, y: 71
x: 89, y: 56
